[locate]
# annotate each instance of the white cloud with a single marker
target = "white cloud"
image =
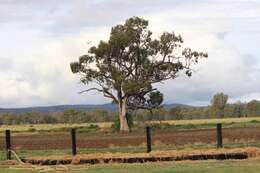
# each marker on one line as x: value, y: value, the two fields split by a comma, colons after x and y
x: 42, y: 76
x: 225, y: 70
x: 39, y: 43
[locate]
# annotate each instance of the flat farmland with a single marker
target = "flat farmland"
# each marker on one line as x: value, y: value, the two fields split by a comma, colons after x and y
x: 55, y: 140
x: 107, y: 125
x: 62, y: 140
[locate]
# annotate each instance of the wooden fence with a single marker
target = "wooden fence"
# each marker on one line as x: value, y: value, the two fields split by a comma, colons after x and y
x: 8, y: 141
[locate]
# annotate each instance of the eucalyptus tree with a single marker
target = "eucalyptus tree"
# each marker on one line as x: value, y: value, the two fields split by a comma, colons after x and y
x: 218, y: 104
x: 126, y: 66
x: 253, y: 107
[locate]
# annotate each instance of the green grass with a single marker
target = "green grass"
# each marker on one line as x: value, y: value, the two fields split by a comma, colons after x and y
x: 228, y: 166
x: 6, y: 169
x: 191, y: 167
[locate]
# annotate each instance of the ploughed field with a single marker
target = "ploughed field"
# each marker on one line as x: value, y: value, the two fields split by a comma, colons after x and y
x: 62, y: 140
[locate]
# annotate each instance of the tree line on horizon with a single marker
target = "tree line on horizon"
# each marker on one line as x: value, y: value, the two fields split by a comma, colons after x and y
x: 219, y: 108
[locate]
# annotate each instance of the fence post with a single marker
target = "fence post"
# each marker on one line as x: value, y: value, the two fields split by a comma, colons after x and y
x: 148, y: 139
x: 73, y: 141
x: 8, y: 144
x: 219, y: 135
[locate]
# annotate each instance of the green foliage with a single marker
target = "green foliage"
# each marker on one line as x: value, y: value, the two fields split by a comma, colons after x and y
x: 88, y: 129
x: 254, y: 121
x: 155, y: 99
x: 176, y: 113
x: 182, y: 126
x: 125, y: 67
x: 31, y: 130
x: 253, y: 107
x: 161, y: 126
x: 218, y: 103
x: 116, y: 125
x: 237, y: 109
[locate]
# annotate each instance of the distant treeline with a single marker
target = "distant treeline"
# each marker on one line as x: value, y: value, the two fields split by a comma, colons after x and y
x: 250, y: 109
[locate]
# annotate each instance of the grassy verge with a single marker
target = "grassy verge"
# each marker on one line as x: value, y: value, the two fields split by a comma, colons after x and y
x: 249, y: 166
x: 227, y: 166
x: 6, y: 169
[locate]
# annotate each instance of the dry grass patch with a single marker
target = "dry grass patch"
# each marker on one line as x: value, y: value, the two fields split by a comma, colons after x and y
x: 218, y: 154
x: 208, y: 121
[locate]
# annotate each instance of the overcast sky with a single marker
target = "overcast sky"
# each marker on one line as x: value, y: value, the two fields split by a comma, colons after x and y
x: 40, y: 38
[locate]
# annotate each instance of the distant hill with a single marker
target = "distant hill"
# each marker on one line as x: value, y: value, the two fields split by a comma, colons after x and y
x: 61, y: 108
x: 173, y: 105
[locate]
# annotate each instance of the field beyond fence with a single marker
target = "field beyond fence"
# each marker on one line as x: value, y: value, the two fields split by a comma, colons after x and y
x: 47, y: 140
x: 107, y: 125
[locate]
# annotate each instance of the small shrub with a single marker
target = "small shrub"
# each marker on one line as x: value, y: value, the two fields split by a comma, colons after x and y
x: 93, y: 126
x: 162, y: 126
x: 190, y: 126
x: 31, y: 130
x: 254, y: 121
x: 115, y: 125
x: 89, y: 129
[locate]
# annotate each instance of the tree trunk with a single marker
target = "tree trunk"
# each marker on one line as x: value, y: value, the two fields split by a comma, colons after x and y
x: 122, y: 117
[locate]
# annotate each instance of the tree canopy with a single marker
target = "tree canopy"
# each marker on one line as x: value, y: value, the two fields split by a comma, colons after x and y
x: 125, y: 67
x: 219, y: 102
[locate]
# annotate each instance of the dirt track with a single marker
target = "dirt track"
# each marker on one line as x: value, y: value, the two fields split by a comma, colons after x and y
x: 62, y: 140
